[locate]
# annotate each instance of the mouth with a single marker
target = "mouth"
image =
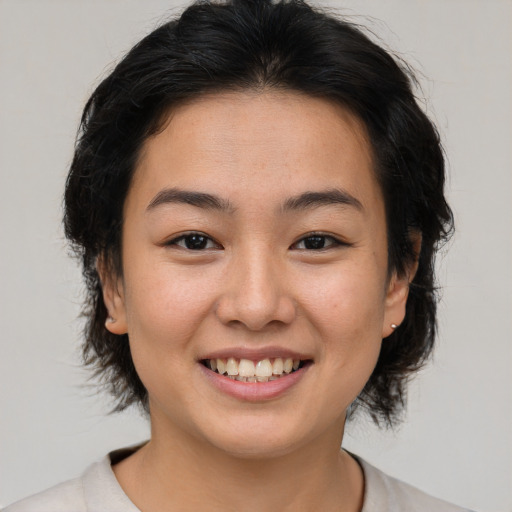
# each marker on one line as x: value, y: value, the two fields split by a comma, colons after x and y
x: 262, y: 370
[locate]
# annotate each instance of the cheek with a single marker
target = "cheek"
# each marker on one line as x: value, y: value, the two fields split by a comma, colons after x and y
x: 350, y: 296
x: 347, y: 311
x: 165, y: 305
x: 166, y: 309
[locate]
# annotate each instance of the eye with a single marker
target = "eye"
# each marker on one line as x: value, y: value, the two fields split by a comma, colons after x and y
x: 317, y: 242
x: 194, y: 242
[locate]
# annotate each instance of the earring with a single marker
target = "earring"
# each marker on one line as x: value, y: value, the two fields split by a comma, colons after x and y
x: 394, y: 326
x: 111, y: 319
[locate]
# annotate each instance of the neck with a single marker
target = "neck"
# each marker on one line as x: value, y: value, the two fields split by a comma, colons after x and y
x: 177, y: 472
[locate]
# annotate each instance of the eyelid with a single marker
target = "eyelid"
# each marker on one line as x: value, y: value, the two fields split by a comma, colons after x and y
x: 335, y: 241
x: 338, y: 242
x: 173, y: 241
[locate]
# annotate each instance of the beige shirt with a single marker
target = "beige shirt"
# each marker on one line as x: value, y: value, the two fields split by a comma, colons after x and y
x: 97, y: 490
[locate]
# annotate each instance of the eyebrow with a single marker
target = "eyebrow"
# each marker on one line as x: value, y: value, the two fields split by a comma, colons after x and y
x: 309, y: 200
x: 198, y: 199
x: 304, y: 201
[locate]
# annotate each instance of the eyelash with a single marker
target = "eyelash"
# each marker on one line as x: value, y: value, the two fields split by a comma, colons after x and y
x: 205, y: 240
x: 334, y: 242
x: 189, y: 236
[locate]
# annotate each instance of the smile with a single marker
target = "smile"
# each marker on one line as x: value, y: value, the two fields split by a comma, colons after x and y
x: 247, y: 370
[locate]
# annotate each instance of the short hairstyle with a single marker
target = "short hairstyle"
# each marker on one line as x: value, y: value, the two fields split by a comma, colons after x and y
x: 236, y: 45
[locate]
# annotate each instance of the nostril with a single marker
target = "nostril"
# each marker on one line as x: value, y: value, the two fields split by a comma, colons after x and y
x: 256, y: 307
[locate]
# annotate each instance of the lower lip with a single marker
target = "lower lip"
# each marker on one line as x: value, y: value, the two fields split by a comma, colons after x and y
x: 254, y: 391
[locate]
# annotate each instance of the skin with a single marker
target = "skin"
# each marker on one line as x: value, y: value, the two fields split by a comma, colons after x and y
x: 255, y: 284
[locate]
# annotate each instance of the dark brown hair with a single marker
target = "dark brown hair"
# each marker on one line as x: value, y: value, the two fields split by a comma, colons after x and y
x: 248, y: 44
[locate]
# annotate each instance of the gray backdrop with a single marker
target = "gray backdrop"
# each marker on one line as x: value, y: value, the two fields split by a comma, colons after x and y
x: 456, y: 442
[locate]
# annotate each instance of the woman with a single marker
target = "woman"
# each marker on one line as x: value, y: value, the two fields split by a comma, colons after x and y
x: 257, y: 200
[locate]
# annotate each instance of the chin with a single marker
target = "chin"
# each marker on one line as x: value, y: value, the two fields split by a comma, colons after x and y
x: 257, y: 448
x: 258, y: 438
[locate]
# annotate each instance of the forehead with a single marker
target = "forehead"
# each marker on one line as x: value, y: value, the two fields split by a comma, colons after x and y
x: 260, y: 141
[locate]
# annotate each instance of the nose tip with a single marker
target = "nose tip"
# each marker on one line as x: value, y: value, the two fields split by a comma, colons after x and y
x: 256, y: 315
x: 256, y: 298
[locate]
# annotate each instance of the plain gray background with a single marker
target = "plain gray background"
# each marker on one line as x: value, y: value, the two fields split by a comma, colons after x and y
x: 457, y: 440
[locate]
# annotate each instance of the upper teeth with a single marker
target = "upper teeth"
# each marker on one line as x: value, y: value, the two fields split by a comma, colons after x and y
x: 264, y: 368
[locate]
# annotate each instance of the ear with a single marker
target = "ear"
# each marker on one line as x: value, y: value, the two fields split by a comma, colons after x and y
x: 398, y: 290
x: 113, y: 297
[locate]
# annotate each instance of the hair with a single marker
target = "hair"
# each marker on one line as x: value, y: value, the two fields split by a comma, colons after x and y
x: 238, y: 45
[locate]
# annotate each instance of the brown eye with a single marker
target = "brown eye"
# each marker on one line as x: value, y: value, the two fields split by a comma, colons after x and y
x: 194, y: 242
x: 316, y: 242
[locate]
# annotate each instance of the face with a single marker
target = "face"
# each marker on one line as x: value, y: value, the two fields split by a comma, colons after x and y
x: 254, y: 242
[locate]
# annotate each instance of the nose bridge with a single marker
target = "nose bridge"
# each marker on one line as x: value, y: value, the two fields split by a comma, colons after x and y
x: 258, y: 287
x: 257, y: 294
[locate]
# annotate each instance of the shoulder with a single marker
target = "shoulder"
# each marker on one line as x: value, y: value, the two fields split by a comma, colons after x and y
x: 384, y: 493
x: 96, y: 490
x: 61, y: 498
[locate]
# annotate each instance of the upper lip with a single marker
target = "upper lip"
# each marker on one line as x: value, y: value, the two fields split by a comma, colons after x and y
x: 255, y: 354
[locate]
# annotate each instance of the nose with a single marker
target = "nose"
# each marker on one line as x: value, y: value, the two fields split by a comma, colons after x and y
x: 256, y: 293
